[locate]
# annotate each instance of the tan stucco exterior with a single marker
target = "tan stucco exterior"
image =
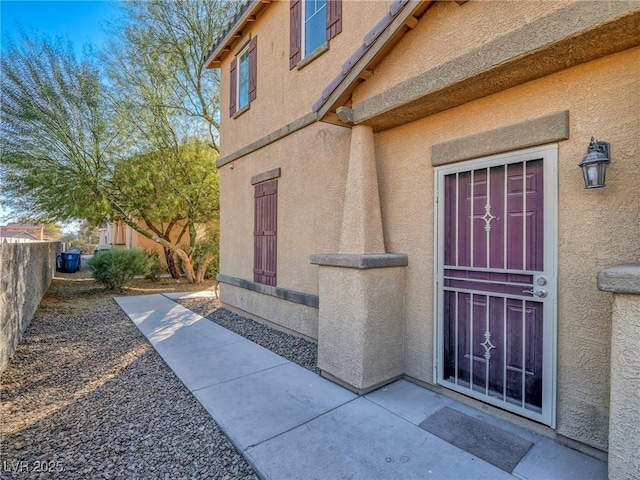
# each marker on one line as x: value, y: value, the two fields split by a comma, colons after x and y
x: 596, y: 228
x: 624, y: 419
x: 313, y: 169
x: 284, y: 95
x: 288, y: 316
x: 624, y: 437
x: 433, y: 42
x: 366, y: 351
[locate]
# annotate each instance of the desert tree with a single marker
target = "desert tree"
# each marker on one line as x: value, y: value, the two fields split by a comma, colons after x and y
x: 168, y: 104
x: 130, y: 135
x: 57, y: 140
x: 156, y: 68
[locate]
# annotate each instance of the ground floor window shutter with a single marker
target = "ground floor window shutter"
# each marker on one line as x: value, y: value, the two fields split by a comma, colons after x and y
x: 265, y: 221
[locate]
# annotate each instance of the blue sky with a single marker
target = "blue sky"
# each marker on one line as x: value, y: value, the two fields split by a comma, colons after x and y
x: 80, y: 21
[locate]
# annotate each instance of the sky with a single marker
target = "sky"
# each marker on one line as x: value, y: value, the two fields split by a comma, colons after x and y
x: 79, y: 21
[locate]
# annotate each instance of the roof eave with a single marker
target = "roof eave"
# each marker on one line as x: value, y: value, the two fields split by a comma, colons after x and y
x: 219, y: 50
x: 405, y: 20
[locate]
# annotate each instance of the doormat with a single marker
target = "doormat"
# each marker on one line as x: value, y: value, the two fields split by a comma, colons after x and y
x: 490, y: 443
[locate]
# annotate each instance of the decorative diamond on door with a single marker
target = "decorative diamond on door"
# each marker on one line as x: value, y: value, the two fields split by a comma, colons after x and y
x: 487, y: 217
x: 488, y: 346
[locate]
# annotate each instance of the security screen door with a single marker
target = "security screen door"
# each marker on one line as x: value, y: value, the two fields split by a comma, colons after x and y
x: 496, y: 280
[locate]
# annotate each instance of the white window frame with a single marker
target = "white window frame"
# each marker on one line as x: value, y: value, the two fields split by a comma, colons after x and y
x: 243, y: 52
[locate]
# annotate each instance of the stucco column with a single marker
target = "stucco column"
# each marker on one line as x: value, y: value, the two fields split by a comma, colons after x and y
x: 624, y: 415
x: 361, y: 317
x: 361, y: 220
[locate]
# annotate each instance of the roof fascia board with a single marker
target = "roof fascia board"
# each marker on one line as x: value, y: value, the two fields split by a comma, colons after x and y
x: 214, y: 57
x: 380, y: 47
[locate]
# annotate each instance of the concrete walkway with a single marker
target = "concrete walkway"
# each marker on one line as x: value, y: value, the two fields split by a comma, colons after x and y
x: 293, y: 424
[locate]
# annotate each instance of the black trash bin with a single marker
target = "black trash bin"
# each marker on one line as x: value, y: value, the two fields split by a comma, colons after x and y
x: 71, y: 261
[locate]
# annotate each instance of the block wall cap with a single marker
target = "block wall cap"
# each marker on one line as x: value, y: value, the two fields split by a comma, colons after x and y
x: 620, y: 279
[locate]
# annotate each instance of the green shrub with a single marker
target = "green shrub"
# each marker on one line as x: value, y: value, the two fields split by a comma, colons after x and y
x: 115, y: 267
x: 156, y: 267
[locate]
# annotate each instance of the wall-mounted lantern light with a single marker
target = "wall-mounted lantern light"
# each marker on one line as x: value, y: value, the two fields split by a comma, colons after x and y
x: 594, y: 164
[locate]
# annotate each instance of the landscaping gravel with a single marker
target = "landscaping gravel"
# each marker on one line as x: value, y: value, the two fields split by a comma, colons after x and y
x: 295, y: 349
x: 86, y: 396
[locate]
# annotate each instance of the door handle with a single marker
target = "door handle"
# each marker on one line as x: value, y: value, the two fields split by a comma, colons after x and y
x: 538, y: 292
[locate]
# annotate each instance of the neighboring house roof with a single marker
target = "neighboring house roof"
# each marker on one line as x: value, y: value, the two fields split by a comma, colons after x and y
x: 13, y: 228
x: 22, y: 225
x: 25, y: 235
x: 247, y: 13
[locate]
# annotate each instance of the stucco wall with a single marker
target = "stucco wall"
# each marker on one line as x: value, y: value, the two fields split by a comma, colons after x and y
x: 360, y: 325
x: 624, y: 421
x: 26, y: 270
x: 284, y: 95
x: 288, y: 316
x: 313, y: 166
x: 437, y: 38
x: 624, y: 437
x: 597, y: 228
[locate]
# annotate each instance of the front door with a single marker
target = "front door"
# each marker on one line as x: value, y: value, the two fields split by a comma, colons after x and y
x: 496, y: 280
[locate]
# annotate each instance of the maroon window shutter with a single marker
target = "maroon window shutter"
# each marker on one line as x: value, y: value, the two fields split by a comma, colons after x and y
x: 295, y: 36
x: 253, y: 68
x: 265, y: 220
x: 233, y: 91
x: 334, y: 18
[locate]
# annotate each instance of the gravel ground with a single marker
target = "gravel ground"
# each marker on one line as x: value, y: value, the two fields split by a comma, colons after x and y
x: 294, y: 349
x: 86, y: 396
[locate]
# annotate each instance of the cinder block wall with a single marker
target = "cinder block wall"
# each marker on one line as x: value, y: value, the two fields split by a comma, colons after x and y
x: 26, y: 271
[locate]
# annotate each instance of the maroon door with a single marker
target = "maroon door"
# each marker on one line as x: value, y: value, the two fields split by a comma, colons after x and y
x: 492, y: 265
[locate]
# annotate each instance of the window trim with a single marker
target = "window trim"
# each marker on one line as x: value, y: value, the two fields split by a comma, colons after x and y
x: 241, y: 53
x: 297, y: 27
x: 321, y: 50
x: 250, y: 48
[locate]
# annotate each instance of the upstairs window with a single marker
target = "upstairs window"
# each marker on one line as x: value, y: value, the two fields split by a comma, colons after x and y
x: 314, y: 25
x: 243, y: 76
x: 312, y: 22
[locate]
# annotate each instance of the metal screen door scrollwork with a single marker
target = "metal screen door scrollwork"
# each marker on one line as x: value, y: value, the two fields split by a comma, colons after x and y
x: 493, y: 284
